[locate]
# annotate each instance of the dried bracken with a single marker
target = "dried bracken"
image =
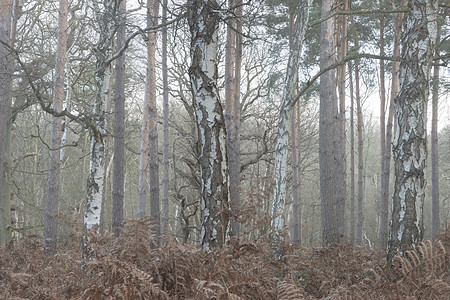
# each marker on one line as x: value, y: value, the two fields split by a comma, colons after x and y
x: 129, y: 268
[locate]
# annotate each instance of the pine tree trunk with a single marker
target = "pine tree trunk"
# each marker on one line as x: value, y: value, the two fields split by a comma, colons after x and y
x: 203, y: 18
x: 155, y: 213
x: 165, y: 139
x: 434, y: 144
x: 53, y: 186
x: 119, y: 126
x: 289, y: 92
x: 341, y: 158
x: 327, y: 125
x: 409, y: 147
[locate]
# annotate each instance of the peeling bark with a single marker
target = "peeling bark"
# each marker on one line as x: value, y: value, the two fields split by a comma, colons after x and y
x: 204, y: 21
x: 410, y: 147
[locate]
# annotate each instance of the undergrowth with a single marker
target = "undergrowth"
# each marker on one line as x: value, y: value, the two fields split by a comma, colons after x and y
x: 129, y: 268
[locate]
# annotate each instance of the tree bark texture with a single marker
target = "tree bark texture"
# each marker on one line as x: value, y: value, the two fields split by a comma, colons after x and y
x: 97, y: 148
x: 119, y: 126
x: 409, y: 147
x: 203, y: 18
x: 5, y: 121
x: 53, y: 186
x: 232, y: 118
x: 155, y: 213
x: 289, y: 92
x: 327, y: 124
x: 386, y: 165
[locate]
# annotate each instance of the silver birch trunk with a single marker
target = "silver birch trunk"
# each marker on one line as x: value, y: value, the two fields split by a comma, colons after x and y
x: 165, y: 139
x: 409, y: 147
x: 97, y: 132
x: 434, y: 146
x: 384, y: 211
x: 327, y: 124
x: 203, y: 18
x: 150, y: 92
x: 119, y: 126
x: 53, y: 186
x: 289, y: 92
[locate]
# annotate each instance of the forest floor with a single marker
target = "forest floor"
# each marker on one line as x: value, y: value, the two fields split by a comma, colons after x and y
x: 127, y: 268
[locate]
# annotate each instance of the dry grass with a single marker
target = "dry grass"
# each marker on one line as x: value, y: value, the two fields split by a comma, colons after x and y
x: 128, y: 268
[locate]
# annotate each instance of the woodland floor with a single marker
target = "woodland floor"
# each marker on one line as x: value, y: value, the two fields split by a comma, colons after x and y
x: 126, y: 268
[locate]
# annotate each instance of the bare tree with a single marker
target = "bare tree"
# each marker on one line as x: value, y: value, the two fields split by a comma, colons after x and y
x: 409, y: 148
x: 203, y: 18
x: 352, y: 157
x: 119, y: 126
x: 53, y: 186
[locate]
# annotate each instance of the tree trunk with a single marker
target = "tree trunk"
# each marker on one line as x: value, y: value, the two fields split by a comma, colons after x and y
x: 231, y: 119
x: 296, y: 202
x: 289, y: 92
x: 6, y: 69
x: 387, y: 153
x: 327, y: 124
x: 155, y: 213
x: 434, y: 144
x: 53, y: 186
x: 97, y: 132
x: 359, y: 225
x: 409, y: 148
x: 352, y: 157
x: 203, y: 18
x: 341, y: 159
x: 119, y: 126
x: 165, y: 141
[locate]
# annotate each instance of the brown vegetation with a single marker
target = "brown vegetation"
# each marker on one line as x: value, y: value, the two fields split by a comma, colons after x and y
x: 127, y: 268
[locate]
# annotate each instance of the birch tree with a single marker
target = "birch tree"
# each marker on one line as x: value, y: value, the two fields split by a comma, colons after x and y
x: 204, y: 18
x: 97, y: 132
x: 53, y: 186
x: 289, y: 92
x: 409, y: 147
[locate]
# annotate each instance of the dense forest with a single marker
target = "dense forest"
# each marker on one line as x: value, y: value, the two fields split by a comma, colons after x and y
x: 208, y: 149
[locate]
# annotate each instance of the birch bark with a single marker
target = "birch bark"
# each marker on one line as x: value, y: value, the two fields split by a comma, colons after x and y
x: 204, y: 21
x: 289, y: 92
x: 409, y: 147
